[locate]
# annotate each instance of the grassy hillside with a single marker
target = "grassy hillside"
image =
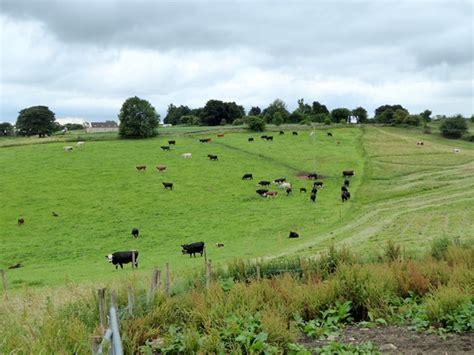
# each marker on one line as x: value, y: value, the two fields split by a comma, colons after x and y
x: 403, y: 192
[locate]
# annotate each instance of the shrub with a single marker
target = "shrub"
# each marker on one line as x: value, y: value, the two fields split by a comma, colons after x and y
x: 453, y: 127
x: 238, y: 122
x: 392, y: 251
x: 277, y: 119
x: 327, y: 120
x: 255, y: 123
x: 439, y: 247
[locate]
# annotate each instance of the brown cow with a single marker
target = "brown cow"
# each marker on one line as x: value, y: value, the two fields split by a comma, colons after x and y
x: 220, y: 135
x: 141, y: 167
x: 270, y: 194
x: 161, y: 168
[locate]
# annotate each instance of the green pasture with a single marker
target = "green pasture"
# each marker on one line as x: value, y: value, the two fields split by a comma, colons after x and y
x: 402, y: 192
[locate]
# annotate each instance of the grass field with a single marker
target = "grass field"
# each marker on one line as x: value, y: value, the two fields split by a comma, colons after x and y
x: 401, y: 192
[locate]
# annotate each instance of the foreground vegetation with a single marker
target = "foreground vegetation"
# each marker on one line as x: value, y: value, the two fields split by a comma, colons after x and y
x: 242, y: 313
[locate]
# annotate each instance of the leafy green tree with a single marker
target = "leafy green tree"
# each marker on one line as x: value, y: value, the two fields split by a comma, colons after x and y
x: 321, y: 117
x: 453, y: 127
x: 255, y: 111
x: 385, y: 117
x: 6, y: 129
x: 304, y: 108
x: 399, y: 116
x: 379, y: 110
x: 138, y: 119
x: 215, y: 111
x: 319, y: 108
x: 361, y: 114
x: 327, y: 120
x: 296, y: 117
x: 34, y: 120
x: 426, y: 114
x: 414, y: 120
x: 255, y: 123
x: 277, y: 119
x: 276, y: 106
x: 190, y: 120
x: 340, y: 114
x: 73, y: 126
x: 175, y: 114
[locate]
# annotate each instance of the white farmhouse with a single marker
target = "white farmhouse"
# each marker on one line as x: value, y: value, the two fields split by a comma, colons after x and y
x: 107, y: 126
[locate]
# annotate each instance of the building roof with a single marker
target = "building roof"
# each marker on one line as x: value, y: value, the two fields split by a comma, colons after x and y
x: 106, y: 124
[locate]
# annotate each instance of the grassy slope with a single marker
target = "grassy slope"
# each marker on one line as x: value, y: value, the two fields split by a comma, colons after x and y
x: 401, y: 191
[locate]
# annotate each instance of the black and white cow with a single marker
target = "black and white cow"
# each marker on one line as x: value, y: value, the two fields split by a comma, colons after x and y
x: 345, y: 196
x: 135, y: 232
x: 165, y: 147
x: 279, y: 180
x: 193, y: 248
x: 247, y: 176
x: 122, y: 257
x: 250, y: 139
x: 313, y: 197
x: 212, y: 157
x: 264, y: 183
x: 318, y: 184
x: 293, y: 235
x: 261, y: 192
x: 346, y: 173
x: 172, y: 142
x: 346, y: 182
x: 168, y: 185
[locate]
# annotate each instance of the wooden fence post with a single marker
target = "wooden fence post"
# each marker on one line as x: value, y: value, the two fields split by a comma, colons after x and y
x: 102, y: 306
x: 133, y: 259
x: 258, y: 272
x: 130, y: 300
x: 155, y: 283
x: 168, y: 279
x: 208, y: 273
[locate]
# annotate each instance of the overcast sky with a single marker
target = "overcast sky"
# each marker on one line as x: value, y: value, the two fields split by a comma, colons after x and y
x: 84, y: 58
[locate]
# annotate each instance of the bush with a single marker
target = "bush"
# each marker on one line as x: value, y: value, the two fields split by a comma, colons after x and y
x: 327, y: 121
x: 238, y: 122
x: 468, y: 137
x: 453, y: 127
x: 255, y: 123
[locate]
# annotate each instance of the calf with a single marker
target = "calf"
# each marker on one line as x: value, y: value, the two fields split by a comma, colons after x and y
x: 247, y: 177
x: 250, y: 139
x: 261, y: 192
x: 193, y: 248
x: 212, y: 157
x: 264, y: 183
x: 220, y: 245
x: 141, y: 167
x: 161, y: 168
x: 419, y: 143
x: 294, y: 133
x: 302, y: 189
x: 187, y: 155
x: 135, y: 232
x: 293, y: 235
x: 347, y: 173
x: 80, y: 143
x: 168, y: 185
x: 172, y: 142
x: 312, y: 176
x: 329, y: 134
x: 67, y: 148
x: 345, y: 196
x: 270, y: 194
x: 288, y: 191
x: 314, y: 190
x: 281, y: 132
x: 220, y: 135
x: 263, y: 137
x: 21, y: 221
x: 313, y: 197
x: 344, y: 188
x: 165, y: 147
x: 123, y: 257
x: 279, y: 180
x: 456, y: 150
x: 346, y: 182
x: 318, y: 184
x: 269, y: 138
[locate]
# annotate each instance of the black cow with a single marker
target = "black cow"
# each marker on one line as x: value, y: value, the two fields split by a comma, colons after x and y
x: 313, y: 197
x: 165, y: 147
x: 279, y: 180
x: 313, y: 176
x: 55, y: 214
x: 193, y: 248
x: 347, y: 173
x: 346, y: 182
x: 269, y: 138
x: 329, y: 134
x: 295, y: 133
x: 135, y: 232
x: 344, y: 188
x: 281, y: 132
x: 303, y: 189
x: 205, y: 140
x: 172, y: 142
x: 250, y: 139
x: 168, y: 185
x: 288, y: 191
x: 16, y: 266
x: 263, y: 137
x: 21, y: 221
x: 264, y: 183
x: 247, y: 177
x: 122, y: 257
x: 261, y: 192
x: 345, y: 196
x: 293, y: 235
x: 314, y: 190
x: 212, y: 157
x: 318, y: 184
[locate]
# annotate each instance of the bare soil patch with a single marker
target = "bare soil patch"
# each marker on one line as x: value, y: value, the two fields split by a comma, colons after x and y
x: 397, y: 340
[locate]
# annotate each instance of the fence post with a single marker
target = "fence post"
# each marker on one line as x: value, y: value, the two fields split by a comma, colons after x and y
x: 155, y: 283
x: 168, y: 279
x: 258, y: 272
x: 130, y: 300
x: 208, y: 273
x: 102, y: 306
x: 133, y: 259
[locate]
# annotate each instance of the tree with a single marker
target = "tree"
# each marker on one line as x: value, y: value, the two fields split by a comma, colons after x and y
x: 453, y: 127
x: 6, y: 129
x: 138, y: 119
x: 361, y: 114
x: 34, y: 120
x: 255, y: 111
x: 255, y: 123
x: 277, y: 119
x: 414, y: 120
x: 215, y: 111
x: 321, y: 117
x: 296, y: 117
x: 319, y: 108
x: 340, y: 114
x: 399, y: 116
x: 175, y: 114
x: 426, y: 114
x: 304, y: 108
x: 276, y: 106
x: 73, y: 126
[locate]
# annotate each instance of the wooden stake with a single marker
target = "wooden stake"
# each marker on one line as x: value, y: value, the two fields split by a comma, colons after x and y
x: 258, y: 272
x: 155, y: 283
x: 133, y: 259
x: 130, y: 300
x: 102, y: 306
x: 208, y: 273
x: 168, y: 279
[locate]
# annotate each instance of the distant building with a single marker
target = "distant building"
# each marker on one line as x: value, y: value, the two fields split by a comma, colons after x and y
x: 352, y: 120
x: 166, y: 125
x: 107, y: 126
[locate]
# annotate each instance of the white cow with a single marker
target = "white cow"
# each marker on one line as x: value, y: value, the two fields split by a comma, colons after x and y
x: 68, y: 148
x: 456, y: 150
x: 187, y: 155
x: 80, y: 143
x: 285, y: 185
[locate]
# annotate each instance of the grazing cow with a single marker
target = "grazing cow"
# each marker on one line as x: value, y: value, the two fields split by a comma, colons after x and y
x: 193, y: 248
x: 279, y: 181
x: 220, y: 135
x: 344, y: 188
x: 264, y: 183
x: 135, y: 232
x: 141, y: 167
x: 212, y: 157
x: 312, y: 176
x: 250, y: 139
x: 329, y: 134
x: 123, y: 257
x: 68, y: 148
x: 80, y: 143
x: 220, y: 245
x: 205, y: 140
x: 165, y: 147
x: 281, y: 132
x: 285, y: 185
x: 347, y: 173
x: 456, y: 150
x: 172, y: 142
x: 55, y: 214
x: 247, y: 176
x: 168, y: 185
x: 161, y: 168
x: 293, y: 235
x: 270, y: 194
x: 263, y: 137
x: 314, y: 190
x: 269, y: 138
x: 288, y: 191
x: 294, y: 133
x: 16, y: 266
x: 318, y: 184
x: 187, y: 155
x: 21, y: 221
x: 313, y: 197
x: 345, y: 196
x: 261, y: 192
x: 346, y: 182
x: 419, y: 143
x: 303, y: 189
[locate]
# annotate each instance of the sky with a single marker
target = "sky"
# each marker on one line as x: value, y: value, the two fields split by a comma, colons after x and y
x: 83, y: 59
